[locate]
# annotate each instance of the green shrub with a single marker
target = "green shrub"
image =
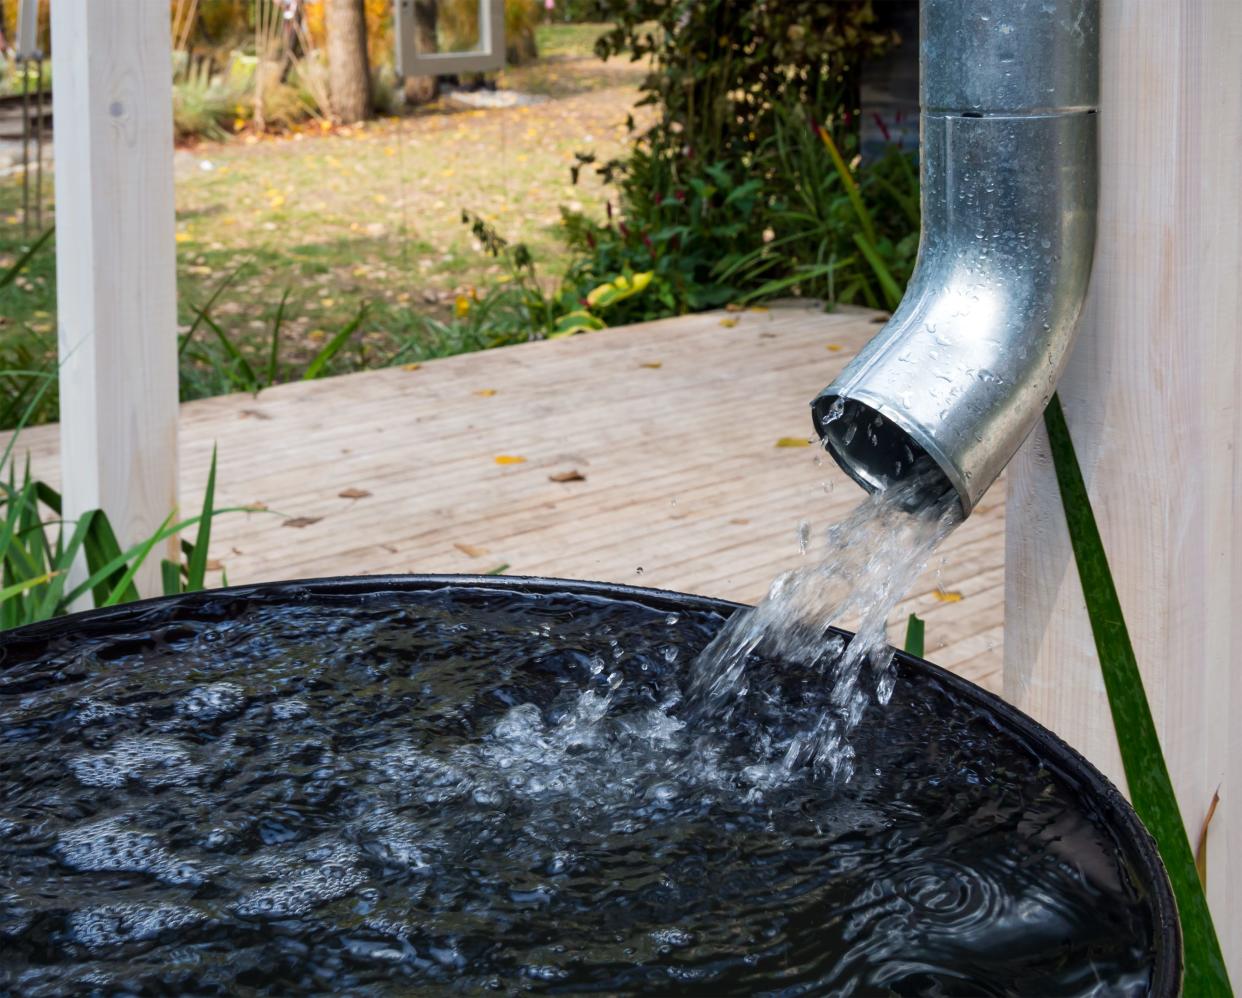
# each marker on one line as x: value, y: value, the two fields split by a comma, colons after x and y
x: 204, y: 102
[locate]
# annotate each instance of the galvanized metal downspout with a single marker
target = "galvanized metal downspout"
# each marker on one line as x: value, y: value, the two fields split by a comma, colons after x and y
x: 971, y: 356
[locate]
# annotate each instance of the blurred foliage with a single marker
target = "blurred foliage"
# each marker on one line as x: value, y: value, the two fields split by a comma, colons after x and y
x: 748, y: 183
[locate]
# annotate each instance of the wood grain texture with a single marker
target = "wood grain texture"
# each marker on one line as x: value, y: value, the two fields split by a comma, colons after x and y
x: 682, y: 475
x: 115, y: 261
x: 1151, y: 396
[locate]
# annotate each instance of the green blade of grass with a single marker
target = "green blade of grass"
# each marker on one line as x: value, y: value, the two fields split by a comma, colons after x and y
x: 914, y: 636
x: 201, y: 313
x: 197, y: 569
x: 891, y: 289
x: 170, y: 577
x: 1151, y: 789
x: 273, y: 357
x: 9, y: 274
x: 850, y: 185
x: 245, y: 379
x: 321, y: 359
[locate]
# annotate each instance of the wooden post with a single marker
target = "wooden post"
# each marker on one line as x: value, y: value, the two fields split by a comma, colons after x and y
x: 1153, y: 396
x: 116, y: 264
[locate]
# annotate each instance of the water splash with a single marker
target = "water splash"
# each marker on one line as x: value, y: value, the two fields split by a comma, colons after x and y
x: 868, y: 563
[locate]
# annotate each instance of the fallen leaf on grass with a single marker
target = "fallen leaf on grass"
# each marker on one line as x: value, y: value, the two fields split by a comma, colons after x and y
x: 470, y: 551
x: 354, y: 494
x: 499, y: 569
x: 509, y: 459
x: 568, y: 476
x: 301, y: 521
x: 486, y: 392
x: 793, y: 442
x: 728, y: 323
x: 652, y: 364
x: 948, y: 596
x: 410, y: 367
x: 1201, y: 848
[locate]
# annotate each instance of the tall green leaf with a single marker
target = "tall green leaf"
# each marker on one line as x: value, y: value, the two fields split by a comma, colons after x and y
x: 315, y: 368
x: 1151, y: 789
x: 196, y: 571
x: 914, y: 636
x: 9, y: 274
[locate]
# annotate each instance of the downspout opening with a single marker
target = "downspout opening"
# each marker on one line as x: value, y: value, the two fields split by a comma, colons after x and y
x: 876, y: 452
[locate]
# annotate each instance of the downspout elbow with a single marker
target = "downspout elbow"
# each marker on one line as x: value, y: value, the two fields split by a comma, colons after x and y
x: 961, y: 373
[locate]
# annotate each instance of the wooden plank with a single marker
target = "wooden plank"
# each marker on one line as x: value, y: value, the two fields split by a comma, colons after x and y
x: 683, y: 475
x: 115, y: 262
x: 1151, y: 396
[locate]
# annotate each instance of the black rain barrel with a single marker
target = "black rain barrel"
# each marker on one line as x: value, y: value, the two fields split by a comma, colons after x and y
x: 457, y: 785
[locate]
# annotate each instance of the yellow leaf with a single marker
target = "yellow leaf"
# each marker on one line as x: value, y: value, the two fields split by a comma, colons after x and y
x: 834, y: 347
x: 184, y: 237
x: 949, y: 596
x: 728, y: 323
x: 327, y: 302
x: 410, y: 367
x: 470, y: 551
x: 380, y: 199
x: 486, y: 392
x: 277, y: 200
x: 461, y: 306
x: 390, y: 151
x: 510, y: 459
x: 317, y: 335
x: 793, y: 442
x: 652, y: 364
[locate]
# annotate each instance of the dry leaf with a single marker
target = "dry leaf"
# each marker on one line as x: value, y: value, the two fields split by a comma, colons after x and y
x: 302, y: 521
x: 256, y: 413
x: 834, y: 347
x: 214, y: 566
x: 410, y: 367
x: 731, y: 307
x: 255, y: 507
x: 354, y: 494
x: 793, y: 442
x: 470, y: 551
x: 758, y: 308
x: 767, y: 336
x: 509, y: 459
x: 568, y: 476
x: 652, y: 364
x: 740, y: 521
x: 486, y: 392
x: 728, y: 323
x: 1201, y: 848
x: 389, y: 548
x: 949, y: 596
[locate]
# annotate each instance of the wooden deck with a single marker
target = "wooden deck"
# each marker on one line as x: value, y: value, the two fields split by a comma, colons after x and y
x: 672, y: 425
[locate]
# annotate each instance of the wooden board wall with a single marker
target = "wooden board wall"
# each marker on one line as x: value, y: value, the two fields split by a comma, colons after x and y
x: 1152, y: 398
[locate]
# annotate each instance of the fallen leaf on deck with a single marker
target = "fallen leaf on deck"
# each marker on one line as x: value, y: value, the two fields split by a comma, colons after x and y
x: 767, y: 336
x: 949, y: 596
x: 354, y: 494
x: 301, y: 521
x: 793, y: 442
x: 758, y: 308
x: 834, y: 347
x: 1201, y: 848
x: 470, y: 551
x: 568, y: 476
x: 214, y: 566
x: 740, y: 521
x: 652, y: 364
x: 410, y: 367
x: 255, y: 507
x: 731, y: 307
x: 389, y: 548
x: 256, y: 413
x: 728, y: 323
x: 509, y: 459
x: 486, y: 392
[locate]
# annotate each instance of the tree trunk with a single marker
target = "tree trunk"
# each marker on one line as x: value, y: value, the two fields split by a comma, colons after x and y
x: 421, y: 89
x: 349, y: 75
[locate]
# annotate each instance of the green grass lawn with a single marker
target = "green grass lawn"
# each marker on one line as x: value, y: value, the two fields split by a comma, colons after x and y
x: 368, y: 215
